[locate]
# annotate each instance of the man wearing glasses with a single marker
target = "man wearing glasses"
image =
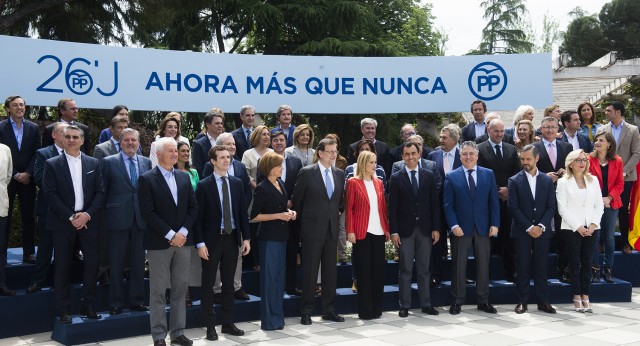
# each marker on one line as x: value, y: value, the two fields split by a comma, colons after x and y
x: 67, y: 113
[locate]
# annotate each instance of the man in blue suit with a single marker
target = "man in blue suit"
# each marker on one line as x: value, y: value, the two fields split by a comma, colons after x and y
x: 242, y: 133
x: 214, y: 122
x: 477, y: 127
x: 471, y: 207
x: 125, y: 226
x: 571, y: 122
x: 532, y: 203
x: 72, y: 185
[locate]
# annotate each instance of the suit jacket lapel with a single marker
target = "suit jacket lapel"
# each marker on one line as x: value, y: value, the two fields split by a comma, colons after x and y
x: 318, y: 175
x: 66, y: 171
x: 123, y: 167
x: 163, y: 184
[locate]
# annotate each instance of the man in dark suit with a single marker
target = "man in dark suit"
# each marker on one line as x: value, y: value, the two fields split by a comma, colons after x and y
x: 169, y: 208
x: 422, y: 163
x: 112, y: 146
x: 507, y: 138
x: 552, y: 156
x: 502, y: 159
x: 571, y: 122
x: 532, y: 204
x: 125, y: 226
x: 214, y: 122
x: 22, y: 137
x: 222, y: 228
x: 72, y: 185
x: 414, y: 220
x: 471, y: 206
x: 368, y: 127
x: 284, y: 115
x: 407, y: 130
x: 317, y: 198
x: 477, y: 127
x: 45, y: 244
x: 242, y: 133
x: 67, y: 113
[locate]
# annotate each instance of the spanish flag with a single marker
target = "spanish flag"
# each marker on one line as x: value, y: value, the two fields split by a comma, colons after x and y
x: 634, y: 213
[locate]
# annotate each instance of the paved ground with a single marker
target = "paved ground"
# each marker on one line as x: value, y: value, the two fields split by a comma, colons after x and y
x: 610, y: 324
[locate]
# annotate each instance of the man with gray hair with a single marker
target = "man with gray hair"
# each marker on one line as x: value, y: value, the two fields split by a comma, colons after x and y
x: 284, y: 115
x: 407, y: 130
x: 242, y: 133
x: 368, y: 128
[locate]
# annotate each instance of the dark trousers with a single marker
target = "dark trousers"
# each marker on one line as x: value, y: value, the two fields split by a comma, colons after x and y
x: 562, y: 245
x: 225, y: 254
x: 45, y: 251
x: 370, y: 267
x: 315, y: 252
x: 528, y: 249
x: 507, y: 250
x: 104, y: 243
x: 623, y: 213
x: 580, y: 256
x: 438, y: 251
x: 64, y: 243
x: 27, y: 197
x: 272, y: 258
x: 459, y: 252
x: 3, y: 250
x: 124, y: 243
x: 254, y: 254
x: 293, y: 245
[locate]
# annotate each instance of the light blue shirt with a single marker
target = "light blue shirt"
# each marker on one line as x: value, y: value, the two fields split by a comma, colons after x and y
x: 617, y: 131
x: 125, y: 158
x: 481, y: 129
x: 170, y: 178
x: 18, y: 132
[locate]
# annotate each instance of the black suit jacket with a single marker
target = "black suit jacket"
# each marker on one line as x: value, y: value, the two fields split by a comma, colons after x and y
x: 294, y: 165
x: 48, y: 140
x: 544, y: 163
x: 59, y: 192
x: 406, y: 209
x: 160, y: 212
x: 395, y: 154
x: 42, y: 155
x: 583, y: 141
x: 507, y: 139
x: 268, y: 200
x: 503, y: 168
x: 242, y: 144
x: 468, y: 132
x: 527, y: 211
x: 207, y: 226
x: 25, y: 158
x: 240, y: 172
x: 200, y: 154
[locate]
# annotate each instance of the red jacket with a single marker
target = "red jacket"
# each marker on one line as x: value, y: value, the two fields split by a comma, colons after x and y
x: 615, y: 179
x: 357, y: 207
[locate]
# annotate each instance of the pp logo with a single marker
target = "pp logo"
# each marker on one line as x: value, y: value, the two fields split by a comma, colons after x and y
x: 487, y: 81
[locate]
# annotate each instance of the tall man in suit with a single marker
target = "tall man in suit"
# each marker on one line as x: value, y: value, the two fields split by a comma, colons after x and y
x: 67, y: 113
x: 532, y: 204
x: 45, y: 244
x: 169, y: 208
x: 571, y: 122
x: 242, y: 133
x: 22, y: 137
x: 502, y: 159
x: 422, y: 163
x: 628, y: 148
x: 6, y: 171
x: 471, y: 206
x: 317, y: 198
x: 407, y: 130
x: 477, y: 127
x: 72, y: 185
x: 125, y: 227
x: 284, y: 114
x: 214, y: 123
x: 414, y: 220
x: 552, y: 156
x: 222, y: 228
x: 368, y: 128
x: 112, y: 146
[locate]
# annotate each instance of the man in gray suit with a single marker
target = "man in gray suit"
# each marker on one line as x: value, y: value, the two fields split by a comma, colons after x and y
x: 125, y: 228
x: 422, y: 163
x: 317, y: 197
x: 112, y: 146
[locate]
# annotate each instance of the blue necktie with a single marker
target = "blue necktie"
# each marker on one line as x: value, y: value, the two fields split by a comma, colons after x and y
x: 414, y: 183
x: 472, y: 184
x: 117, y: 147
x: 327, y: 183
x: 132, y: 172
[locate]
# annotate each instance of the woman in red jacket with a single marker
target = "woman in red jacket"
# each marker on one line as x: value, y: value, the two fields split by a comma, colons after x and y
x: 607, y: 166
x: 367, y: 229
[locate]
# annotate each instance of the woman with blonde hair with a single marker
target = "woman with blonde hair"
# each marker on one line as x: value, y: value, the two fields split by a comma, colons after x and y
x: 523, y: 112
x: 525, y: 134
x: 302, y: 144
x: 580, y: 206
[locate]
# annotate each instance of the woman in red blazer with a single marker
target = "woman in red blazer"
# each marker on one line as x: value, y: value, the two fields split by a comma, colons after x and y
x: 607, y: 166
x: 367, y: 228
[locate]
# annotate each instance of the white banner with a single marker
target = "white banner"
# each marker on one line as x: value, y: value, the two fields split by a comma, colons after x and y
x: 98, y: 76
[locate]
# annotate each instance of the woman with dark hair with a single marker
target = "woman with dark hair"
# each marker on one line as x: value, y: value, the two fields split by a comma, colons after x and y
x: 605, y: 165
x: 587, y: 115
x: 169, y: 127
x: 105, y: 135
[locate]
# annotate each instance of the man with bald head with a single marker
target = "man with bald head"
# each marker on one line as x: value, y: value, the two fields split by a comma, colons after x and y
x: 490, y: 116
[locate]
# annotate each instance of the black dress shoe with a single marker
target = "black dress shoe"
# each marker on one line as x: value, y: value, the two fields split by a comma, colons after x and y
x: 181, y: 340
x: 521, y: 308
x: 115, y: 311
x: 429, y: 310
x: 305, y: 319
x: 435, y: 282
x: 565, y: 278
x: 211, y: 334
x: 231, y: 329
x: 488, y: 308
x: 5, y: 291
x: 160, y: 342
x: 332, y: 316
x: 103, y: 280
x: 455, y: 309
x: 241, y: 295
x: 65, y: 318
x: 139, y: 307
x: 343, y: 262
x: 546, y: 307
x: 30, y: 259
x: 294, y: 292
x: 33, y: 288
x: 403, y: 312
x: 89, y: 313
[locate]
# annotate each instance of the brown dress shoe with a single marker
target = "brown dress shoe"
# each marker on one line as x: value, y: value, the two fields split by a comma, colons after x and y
x: 546, y: 307
x: 521, y: 308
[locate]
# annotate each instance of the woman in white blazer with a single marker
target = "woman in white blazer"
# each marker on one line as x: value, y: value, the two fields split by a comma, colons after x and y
x: 580, y: 205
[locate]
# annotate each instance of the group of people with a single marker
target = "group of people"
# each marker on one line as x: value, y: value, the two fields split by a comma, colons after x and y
x: 196, y: 210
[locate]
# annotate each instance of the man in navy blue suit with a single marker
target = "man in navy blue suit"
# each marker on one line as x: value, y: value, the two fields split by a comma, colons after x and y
x: 72, y: 185
x: 214, y: 122
x: 571, y: 122
x: 242, y: 133
x: 532, y: 203
x: 284, y: 115
x: 471, y: 207
x: 477, y: 127
x: 125, y: 225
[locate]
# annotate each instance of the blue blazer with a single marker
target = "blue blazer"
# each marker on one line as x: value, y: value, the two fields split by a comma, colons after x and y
x: 25, y: 158
x: 121, y: 195
x: 583, y: 141
x: 240, y: 172
x: 468, y: 132
x: 200, y: 154
x: 406, y: 209
x: 460, y: 209
x: 436, y: 156
x: 42, y: 155
x: 242, y: 143
x: 526, y: 211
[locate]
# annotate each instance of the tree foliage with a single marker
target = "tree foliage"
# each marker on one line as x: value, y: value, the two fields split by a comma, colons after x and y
x: 584, y: 41
x: 620, y: 23
x: 503, y: 33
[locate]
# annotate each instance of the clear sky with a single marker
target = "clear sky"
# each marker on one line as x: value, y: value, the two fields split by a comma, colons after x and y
x: 462, y: 19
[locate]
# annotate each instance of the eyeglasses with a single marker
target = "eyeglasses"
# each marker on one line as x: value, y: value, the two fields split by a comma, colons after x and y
x: 331, y: 152
x: 581, y: 160
x: 549, y: 127
x: 73, y: 109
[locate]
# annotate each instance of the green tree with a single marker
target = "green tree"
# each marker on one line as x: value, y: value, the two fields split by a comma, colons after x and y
x: 503, y: 33
x: 620, y: 23
x: 584, y: 41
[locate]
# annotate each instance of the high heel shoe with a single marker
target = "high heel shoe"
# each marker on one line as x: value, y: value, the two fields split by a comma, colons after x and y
x: 586, y: 306
x: 579, y: 307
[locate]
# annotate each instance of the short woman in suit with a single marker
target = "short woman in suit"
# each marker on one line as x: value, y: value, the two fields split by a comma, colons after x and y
x: 367, y: 229
x: 605, y: 165
x: 580, y: 205
x: 270, y: 210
